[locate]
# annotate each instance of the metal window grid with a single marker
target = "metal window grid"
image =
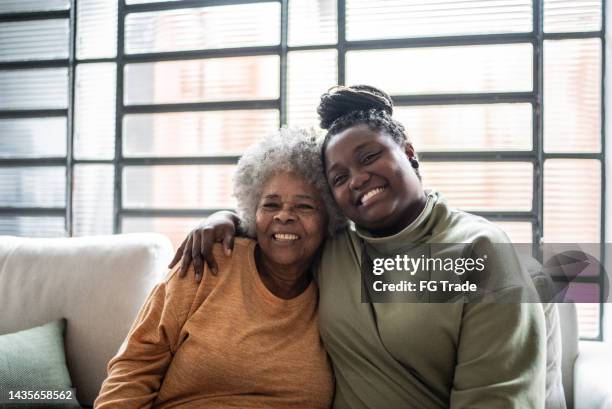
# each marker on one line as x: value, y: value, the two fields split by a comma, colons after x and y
x: 536, y: 156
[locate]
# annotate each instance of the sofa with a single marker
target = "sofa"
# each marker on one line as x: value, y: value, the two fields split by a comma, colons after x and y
x: 96, y: 283
x: 99, y: 283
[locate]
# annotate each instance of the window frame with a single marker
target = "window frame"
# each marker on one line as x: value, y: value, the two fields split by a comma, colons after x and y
x: 536, y: 156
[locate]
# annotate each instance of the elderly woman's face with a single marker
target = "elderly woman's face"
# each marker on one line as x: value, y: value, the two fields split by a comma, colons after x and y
x: 290, y: 220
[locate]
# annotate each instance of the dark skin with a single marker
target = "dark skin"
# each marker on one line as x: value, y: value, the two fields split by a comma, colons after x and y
x: 372, y: 180
x: 290, y: 226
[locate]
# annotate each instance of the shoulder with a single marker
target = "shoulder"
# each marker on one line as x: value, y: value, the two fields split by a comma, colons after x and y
x: 482, y: 227
x: 343, y: 240
x: 242, y: 253
x: 467, y: 227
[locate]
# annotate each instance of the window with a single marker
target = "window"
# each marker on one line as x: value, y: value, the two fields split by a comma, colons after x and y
x: 129, y: 115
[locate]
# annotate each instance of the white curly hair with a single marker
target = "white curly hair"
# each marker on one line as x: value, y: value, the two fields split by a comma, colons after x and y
x: 295, y: 150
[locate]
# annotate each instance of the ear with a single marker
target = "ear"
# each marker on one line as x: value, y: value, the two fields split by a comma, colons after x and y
x: 409, y: 150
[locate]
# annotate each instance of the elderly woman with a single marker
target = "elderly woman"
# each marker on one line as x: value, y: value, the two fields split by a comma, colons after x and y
x: 410, y: 354
x: 247, y: 337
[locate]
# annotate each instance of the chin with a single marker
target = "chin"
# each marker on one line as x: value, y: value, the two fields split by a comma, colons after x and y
x: 377, y: 218
x: 283, y: 260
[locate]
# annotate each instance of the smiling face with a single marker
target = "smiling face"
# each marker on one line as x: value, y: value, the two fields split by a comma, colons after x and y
x: 372, y: 179
x: 291, y: 221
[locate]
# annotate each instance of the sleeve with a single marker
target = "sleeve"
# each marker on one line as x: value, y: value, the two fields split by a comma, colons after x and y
x: 501, y: 357
x: 136, y: 372
x: 501, y: 352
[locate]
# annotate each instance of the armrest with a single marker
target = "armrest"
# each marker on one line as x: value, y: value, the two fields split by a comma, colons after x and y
x: 592, y: 375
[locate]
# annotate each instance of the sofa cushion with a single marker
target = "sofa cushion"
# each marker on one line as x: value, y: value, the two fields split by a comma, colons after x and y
x: 34, y: 360
x: 98, y: 283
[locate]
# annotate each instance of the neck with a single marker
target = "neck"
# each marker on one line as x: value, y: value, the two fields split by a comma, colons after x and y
x: 283, y: 281
x: 412, y: 212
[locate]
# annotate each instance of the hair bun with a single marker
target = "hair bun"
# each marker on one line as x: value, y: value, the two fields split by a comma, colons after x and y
x: 340, y: 100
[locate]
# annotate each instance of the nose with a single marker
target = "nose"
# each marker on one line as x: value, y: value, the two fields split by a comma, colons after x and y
x: 284, y: 215
x: 358, y: 180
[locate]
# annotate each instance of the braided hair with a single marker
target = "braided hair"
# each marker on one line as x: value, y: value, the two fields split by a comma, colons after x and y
x: 343, y: 107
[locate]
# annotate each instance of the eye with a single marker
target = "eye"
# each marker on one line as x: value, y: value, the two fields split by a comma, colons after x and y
x: 338, y: 180
x: 305, y: 206
x: 270, y: 205
x: 370, y: 157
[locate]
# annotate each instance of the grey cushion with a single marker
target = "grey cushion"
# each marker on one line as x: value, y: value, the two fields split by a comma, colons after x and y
x: 34, y: 360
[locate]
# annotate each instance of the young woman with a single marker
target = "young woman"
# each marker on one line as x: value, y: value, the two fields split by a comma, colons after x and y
x: 408, y: 355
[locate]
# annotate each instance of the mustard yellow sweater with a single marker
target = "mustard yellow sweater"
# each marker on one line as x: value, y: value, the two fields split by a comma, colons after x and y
x: 227, y: 343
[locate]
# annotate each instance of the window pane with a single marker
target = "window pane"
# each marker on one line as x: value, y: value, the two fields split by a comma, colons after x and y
x: 572, y: 15
x: 220, y: 79
x: 432, y: 70
x: 572, y: 261
x: 175, y: 228
x: 94, y: 136
x: 32, y: 89
x: 32, y: 137
x: 588, y: 318
x: 18, y: 6
x: 244, y: 25
x: 482, y: 186
x: 148, y: 1
x: 93, y: 199
x: 178, y: 186
x: 313, y: 22
x: 310, y: 74
x: 34, y: 40
x: 97, y: 29
x: 572, y: 95
x: 468, y: 127
x: 519, y: 232
x: 572, y: 201
x: 196, y: 133
x: 43, y: 186
x: 421, y: 18
x: 32, y: 226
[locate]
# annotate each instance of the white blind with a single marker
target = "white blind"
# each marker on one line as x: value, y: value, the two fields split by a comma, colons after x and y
x: 226, y: 62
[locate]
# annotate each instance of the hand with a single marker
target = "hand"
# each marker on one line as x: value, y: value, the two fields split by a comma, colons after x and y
x: 198, y: 245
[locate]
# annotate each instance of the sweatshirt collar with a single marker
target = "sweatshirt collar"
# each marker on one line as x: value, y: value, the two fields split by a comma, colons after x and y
x: 416, y: 232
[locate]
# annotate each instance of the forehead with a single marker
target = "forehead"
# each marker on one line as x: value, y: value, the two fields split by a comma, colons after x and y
x: 288, y: 185
x: 353, y: 138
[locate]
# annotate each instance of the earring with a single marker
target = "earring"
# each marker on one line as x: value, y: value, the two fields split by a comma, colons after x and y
x: 414, y: 162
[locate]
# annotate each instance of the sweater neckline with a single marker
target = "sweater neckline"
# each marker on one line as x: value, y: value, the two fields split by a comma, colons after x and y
x: 267, y: 295
x: 413, y: 233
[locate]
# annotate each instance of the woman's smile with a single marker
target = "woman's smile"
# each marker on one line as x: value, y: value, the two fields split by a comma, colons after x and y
x: 367, y: 198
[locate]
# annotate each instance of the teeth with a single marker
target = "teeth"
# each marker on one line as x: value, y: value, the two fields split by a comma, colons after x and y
x: 285, y: 236
x: 371, y: 194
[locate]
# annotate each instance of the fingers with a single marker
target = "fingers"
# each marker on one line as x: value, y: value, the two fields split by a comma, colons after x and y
x: 186, y: 260
x: 207, y: 250
x: 196, y: 255
x: 228, y: 242
x: 178, y: 254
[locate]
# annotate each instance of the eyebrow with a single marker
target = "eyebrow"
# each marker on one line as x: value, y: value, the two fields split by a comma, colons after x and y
x: 275, y: 196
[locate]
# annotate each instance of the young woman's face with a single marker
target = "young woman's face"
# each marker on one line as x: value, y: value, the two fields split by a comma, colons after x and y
x: 372, y: 179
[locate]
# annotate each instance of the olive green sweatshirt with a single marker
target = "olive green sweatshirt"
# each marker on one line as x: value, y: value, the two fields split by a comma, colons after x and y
x: 425, y: 355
